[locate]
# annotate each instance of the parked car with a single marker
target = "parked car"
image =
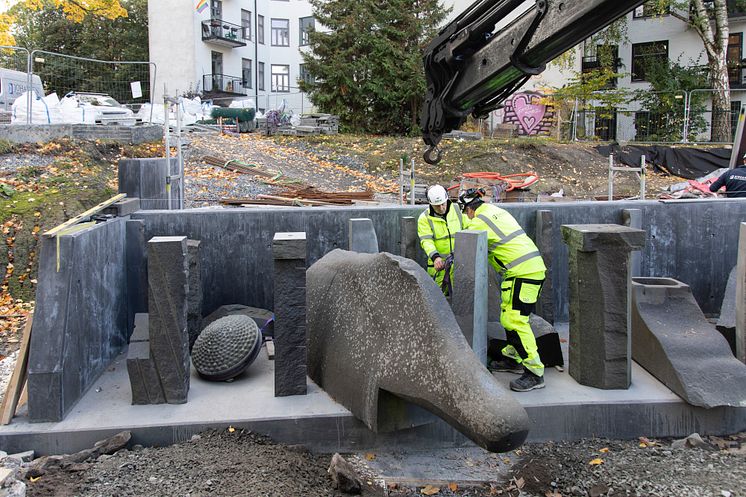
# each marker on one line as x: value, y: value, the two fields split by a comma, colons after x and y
x: 14, y: 84
x: 104, y: 108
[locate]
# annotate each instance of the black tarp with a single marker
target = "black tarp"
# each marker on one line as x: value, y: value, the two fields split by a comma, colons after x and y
x: 685, y: 162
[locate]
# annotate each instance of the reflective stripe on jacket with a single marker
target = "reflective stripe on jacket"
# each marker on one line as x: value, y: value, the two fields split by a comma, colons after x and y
x: 510, y: 249
x: 436, y: 235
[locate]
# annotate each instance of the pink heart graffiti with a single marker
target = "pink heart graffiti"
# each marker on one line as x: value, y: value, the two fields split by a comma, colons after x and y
x: 529, y: 114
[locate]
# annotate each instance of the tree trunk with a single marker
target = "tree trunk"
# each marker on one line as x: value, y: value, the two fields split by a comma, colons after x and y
x: 721, y: 128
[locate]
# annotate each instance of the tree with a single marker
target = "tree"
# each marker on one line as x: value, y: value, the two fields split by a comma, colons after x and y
x: 124, y: 38
x: 367, y: 61
x: 74, y: 10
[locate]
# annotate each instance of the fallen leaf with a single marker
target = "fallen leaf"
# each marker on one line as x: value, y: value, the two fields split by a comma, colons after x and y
x: 430, y: 490
x: 519, y: 483
x: 231, y: 429
x: 33, y: 479
x: 596, y: 462
x: 552, y: 494
x: 604, y: 450
x: 370, y: 456
x: 452, y: 487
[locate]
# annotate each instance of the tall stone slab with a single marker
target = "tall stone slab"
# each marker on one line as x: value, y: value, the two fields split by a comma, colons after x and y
x: 291, y: 342
x: 194, y: 299
x: 410, y: 243
x: 362, y: 236
x: 544, y: 230
x: 741, y: 296
x: 148, y: 179
x: 168, y: 290
x: 144, y: 380
x: 600, y: 342
x: 470, y: 289
x: 137, y: 270
x: 633, y: 218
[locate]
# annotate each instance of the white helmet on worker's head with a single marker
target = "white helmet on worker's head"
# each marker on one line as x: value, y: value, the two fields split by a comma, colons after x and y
x: 437, y: 195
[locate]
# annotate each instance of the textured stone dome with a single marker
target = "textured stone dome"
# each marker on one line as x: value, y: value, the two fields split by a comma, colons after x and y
x: 226, y: 347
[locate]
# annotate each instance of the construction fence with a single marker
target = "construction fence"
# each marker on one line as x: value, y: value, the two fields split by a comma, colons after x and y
x: 646, y: 117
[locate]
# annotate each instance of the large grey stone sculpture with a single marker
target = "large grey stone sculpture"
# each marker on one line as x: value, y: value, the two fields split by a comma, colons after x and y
x: 291, y: 349
x: 545, y: 244
x: 741, y: 296
x: 167, y: 309
x: 362, y: 236
x: 263, y: 318
x: 599, y: 351
x: 470, y: 289
x: 726, y: 324
x: 389, y: 335
x: 672, y: 339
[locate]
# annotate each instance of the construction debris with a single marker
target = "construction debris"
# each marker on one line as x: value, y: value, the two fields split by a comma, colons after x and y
x: 237, y: 166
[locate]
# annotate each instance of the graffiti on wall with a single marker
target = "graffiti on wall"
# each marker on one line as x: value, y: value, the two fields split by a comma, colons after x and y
x: 530, y: 113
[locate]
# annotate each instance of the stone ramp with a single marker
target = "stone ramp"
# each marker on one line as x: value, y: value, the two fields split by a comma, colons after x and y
x: 673, y: 340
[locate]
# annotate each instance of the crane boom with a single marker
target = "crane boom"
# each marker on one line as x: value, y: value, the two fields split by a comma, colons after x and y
x: 471, y: 69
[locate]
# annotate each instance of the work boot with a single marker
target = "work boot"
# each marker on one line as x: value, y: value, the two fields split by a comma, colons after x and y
x: 529, y: 381
x: 505, y: 364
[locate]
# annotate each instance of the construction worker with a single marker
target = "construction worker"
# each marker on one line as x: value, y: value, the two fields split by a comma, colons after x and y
x: 436, y: 227
x: 734, y: 181
x: 512, y: 253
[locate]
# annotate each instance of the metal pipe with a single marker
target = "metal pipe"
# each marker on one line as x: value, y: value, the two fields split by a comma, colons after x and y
x: 411, y: 191
x: 180, y: 157
x: 167, y: 142
x: 401, y: 181
x: 643, y: 166
x: 611, y: 177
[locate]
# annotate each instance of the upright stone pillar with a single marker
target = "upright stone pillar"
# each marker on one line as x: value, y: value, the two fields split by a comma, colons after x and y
x: 544, y: 242
x: 362, y: 236
x: 633, y: 219
x: 194, y: 311
x: 470, y: 289
x: 167, y: 309
x: 741, y: 296
x: 600, y: 339
x: 291, y: 341
x: 410, y: 243
x: 148, y: 179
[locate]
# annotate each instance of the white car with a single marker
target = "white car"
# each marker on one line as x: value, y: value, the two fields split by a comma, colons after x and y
x: 103, y: 108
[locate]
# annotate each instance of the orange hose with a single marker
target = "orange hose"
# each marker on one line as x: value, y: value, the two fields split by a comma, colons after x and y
x: 530, y: 178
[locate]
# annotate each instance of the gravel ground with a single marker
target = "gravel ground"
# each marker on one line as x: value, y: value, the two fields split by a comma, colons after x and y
x: 237, y: 463
x: 10, y: 163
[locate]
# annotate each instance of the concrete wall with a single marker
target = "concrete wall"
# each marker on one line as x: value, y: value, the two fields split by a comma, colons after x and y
x: 42, y: 133
x: 80, y: 320
x: 693, y: 242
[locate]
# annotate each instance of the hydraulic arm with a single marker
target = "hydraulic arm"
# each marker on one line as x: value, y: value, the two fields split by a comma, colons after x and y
x: 471, y: 67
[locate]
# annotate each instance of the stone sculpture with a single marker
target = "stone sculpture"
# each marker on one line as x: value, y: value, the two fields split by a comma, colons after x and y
x: 226, y: 347
x: 387, y: 336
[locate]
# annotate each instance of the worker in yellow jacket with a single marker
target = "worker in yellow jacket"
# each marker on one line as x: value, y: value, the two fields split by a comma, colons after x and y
x: 513, y: 254
x: 436, y: 228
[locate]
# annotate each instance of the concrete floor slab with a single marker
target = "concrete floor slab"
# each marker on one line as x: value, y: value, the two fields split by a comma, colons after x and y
x: 564, y: 410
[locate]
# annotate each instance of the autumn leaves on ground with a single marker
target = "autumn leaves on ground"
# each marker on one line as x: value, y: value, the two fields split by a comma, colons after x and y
x: 42, y: 186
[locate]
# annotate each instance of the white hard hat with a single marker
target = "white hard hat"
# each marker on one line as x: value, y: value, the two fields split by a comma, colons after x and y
x: 437, y: 195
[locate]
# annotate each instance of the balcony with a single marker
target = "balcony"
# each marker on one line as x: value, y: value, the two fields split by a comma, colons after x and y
x: 222, y: 33
x: 222, y: 83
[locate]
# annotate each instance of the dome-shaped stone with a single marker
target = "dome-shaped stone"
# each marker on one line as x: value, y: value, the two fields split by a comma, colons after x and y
x: 226, y: 347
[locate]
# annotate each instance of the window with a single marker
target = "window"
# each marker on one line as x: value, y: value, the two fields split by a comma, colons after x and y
x: 216, y: 9
x: 306, y: 26
x: 645, y: 54
x: 246, y: 73
x: 304, y: 75
x: 735, y: 49
x: 280, y: 33
x: 280, y: 78
x: 246, y: 24
x: 260, y: 76
x: 260, y: 29
x: 650, y: 9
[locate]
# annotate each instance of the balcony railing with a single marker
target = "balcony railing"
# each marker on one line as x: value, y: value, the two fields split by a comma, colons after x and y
x: 224, y: 83
x: 223, y: 33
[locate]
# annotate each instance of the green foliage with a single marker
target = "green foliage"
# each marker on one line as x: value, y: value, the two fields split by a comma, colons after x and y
x: 665, y: 100
x: 6, y: 147
x: 120, y: 39
x: 368, y: 67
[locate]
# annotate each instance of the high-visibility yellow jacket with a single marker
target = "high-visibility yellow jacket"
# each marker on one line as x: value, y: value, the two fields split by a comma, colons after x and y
x: 436, y: 233
x: 510, y: 249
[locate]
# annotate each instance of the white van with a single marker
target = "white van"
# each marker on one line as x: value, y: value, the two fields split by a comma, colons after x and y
x: 14, y: 84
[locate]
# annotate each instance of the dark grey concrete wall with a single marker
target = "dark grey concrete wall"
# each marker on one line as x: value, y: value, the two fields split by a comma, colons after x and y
x: 41, y: 133
x: 80, y: 321
x: 694, y: 242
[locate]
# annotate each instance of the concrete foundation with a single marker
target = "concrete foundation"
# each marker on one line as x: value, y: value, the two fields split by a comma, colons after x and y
x: 38, y: 133
x: 600, y: 344
x: 147, y: 179
x: 544, y: 240
x: 363, y: 237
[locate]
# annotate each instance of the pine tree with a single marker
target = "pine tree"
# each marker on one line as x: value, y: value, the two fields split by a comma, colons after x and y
x: 366, y: 58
